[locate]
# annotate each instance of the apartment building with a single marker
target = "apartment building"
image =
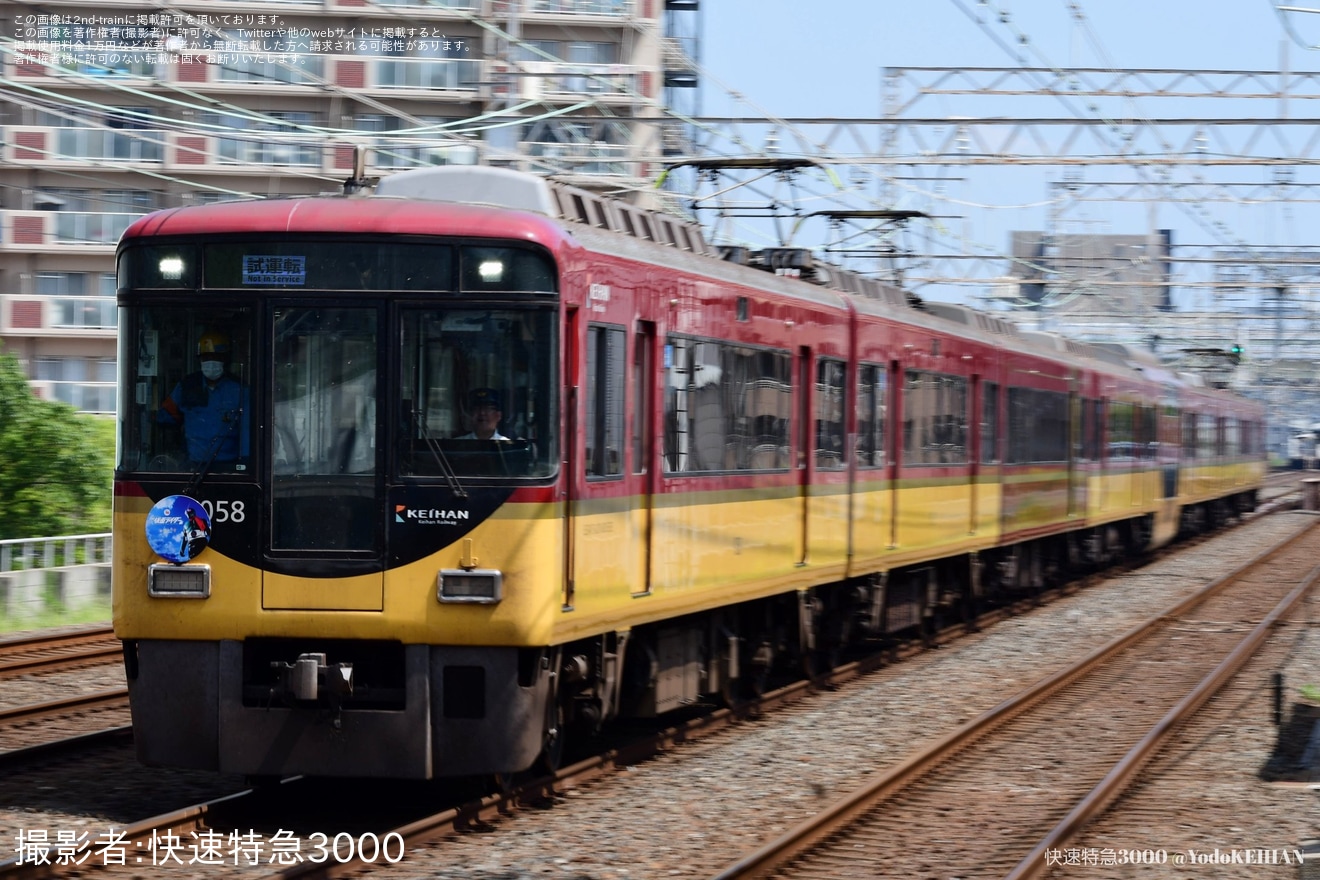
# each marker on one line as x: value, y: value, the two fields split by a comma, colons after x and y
x: 115, y: 109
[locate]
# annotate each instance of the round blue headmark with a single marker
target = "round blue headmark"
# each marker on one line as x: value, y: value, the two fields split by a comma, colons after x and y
x: 178, y: 528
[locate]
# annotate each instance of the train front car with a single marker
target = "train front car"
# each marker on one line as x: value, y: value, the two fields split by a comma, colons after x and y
x: 335, y: 503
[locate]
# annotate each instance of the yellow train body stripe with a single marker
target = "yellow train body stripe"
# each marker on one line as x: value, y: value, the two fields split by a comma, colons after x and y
x: 705, y: 550
x: 524, y: 541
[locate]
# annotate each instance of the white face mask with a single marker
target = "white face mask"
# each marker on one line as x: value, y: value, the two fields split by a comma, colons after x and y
x: 213, y: 369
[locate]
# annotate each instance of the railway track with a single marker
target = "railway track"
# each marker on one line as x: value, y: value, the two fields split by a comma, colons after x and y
x: 26, y: 730
x: 38, y: 730
x: 50, y: 652
x: 1002, y: 793
x: 484, y: 812
x: 481, y: 815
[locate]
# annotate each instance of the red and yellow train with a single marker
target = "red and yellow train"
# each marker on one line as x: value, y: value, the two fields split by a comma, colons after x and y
x: 701, y: 470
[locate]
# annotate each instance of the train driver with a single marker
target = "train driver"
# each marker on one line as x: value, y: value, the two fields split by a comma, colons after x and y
x: 210, y: 405
x: 485, y: 413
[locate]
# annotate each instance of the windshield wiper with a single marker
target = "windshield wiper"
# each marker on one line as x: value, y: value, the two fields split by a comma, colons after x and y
x: 446, y: 469
x: 199, y: 473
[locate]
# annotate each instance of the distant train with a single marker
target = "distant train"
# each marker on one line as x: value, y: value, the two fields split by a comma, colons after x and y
x: 1303, y: 450
x: 701, y: 471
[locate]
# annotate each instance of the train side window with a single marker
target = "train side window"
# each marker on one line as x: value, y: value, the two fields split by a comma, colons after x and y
x: 1205, y: 435
x: 871, y: 404
x: 1147, y: 436
x: 1096, y: 437
x: 1121, y: 434
x: 727, y: 407
x: 990, y: 423
x: 603, y: 429
x: 1037, y: 426
x: 830, y: 376
x: 934, y: 419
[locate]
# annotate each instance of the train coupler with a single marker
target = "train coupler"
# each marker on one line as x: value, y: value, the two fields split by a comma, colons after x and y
x: 311, y: 679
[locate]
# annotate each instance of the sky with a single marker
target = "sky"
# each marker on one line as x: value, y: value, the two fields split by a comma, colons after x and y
x: 828, y: 61
x: 787, y: 58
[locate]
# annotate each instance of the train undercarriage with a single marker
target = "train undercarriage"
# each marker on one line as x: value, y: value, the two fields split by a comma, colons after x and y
x: 730, y: 654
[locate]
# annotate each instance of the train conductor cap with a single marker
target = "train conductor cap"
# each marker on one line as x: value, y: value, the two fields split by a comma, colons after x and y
x: 484, y: 397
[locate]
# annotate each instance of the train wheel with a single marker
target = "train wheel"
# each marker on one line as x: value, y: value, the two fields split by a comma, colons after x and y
x: 556, y: 734
x: 503, y: 784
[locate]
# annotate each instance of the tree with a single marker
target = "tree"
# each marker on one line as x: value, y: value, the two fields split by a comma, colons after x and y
x: 55, y: 471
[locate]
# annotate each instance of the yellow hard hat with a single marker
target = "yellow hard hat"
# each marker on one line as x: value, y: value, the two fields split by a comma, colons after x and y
x: 213, y: 343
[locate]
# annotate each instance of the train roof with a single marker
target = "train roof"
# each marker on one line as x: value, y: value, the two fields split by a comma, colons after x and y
x: 480, y: 200
x: 334, y: 213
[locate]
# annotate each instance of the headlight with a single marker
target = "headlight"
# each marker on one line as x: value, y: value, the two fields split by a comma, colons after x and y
x: 479, y: 586
x: 179, y: 581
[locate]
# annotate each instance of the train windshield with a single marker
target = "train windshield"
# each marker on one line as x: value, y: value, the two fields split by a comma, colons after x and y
x: 476, y: 392
x: 186, y: 376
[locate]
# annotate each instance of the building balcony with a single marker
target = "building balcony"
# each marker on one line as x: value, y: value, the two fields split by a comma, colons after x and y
x: 614, y: 9
x: 62, y: 231
x: 85, y: 397
x: 382, y: 75
x: 580, y: 159
x: 56, y: 146
x: 422, y: 74
x: 472, y: 6
x: 82, y: 317
x: 553, y: 80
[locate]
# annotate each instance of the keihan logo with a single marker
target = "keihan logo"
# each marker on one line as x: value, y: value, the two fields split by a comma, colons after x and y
x: 426, y: 515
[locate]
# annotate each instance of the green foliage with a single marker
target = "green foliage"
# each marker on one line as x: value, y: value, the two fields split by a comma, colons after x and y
x: 1311, y: 692
x: 55, y: 466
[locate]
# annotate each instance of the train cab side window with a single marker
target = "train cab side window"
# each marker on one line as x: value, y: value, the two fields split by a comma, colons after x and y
x: 830, y: 375
x: 603, y: 428
x: 871, y: 404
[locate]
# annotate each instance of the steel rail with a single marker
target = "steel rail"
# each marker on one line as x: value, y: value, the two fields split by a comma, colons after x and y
x: 113, y: 698
x: 1119, y: 778
x: 12, y: 759
x: 808, y: 833
x: 132, y: 837
x: 50, y: 650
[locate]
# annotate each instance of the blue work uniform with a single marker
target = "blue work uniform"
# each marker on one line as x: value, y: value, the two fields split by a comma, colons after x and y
x: 214, y: 419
